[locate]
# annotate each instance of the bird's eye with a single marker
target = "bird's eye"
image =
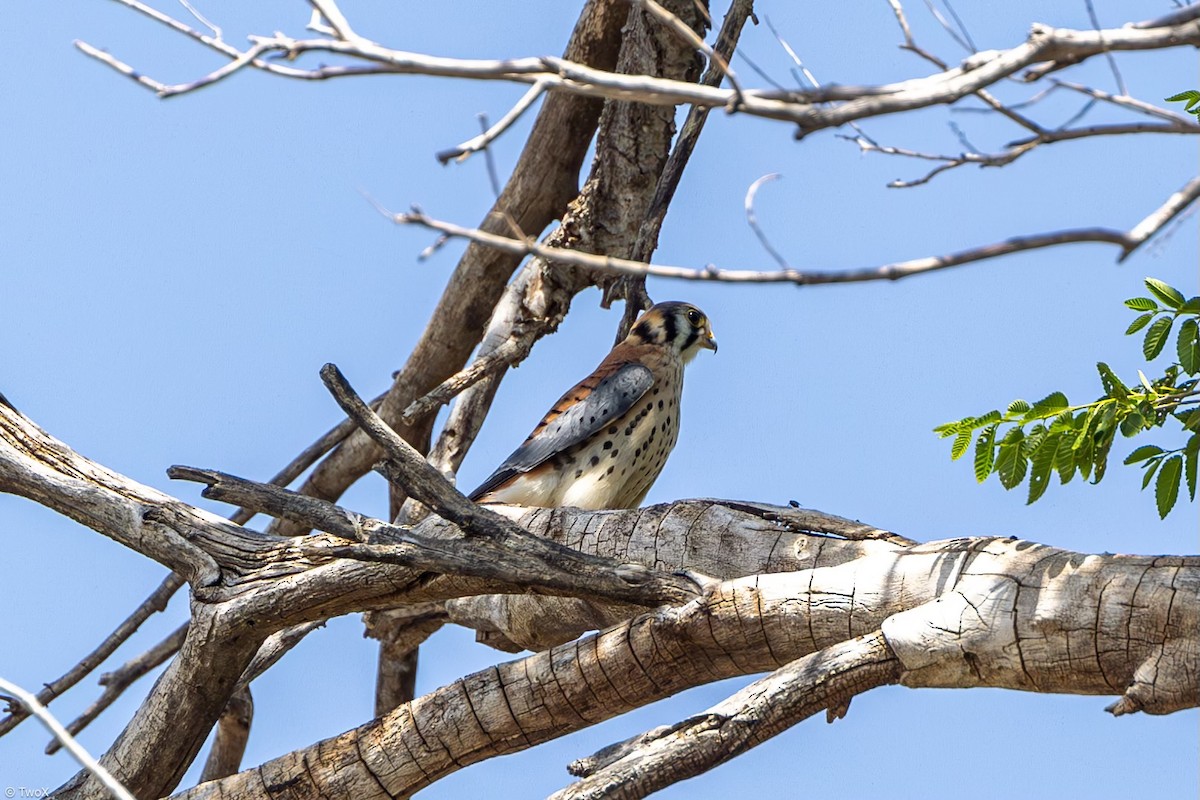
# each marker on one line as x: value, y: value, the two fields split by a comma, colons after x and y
x: 693, y: 316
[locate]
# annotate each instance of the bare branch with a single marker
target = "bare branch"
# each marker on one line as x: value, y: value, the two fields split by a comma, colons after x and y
x: 1017, y: 148
x: 116, y: 682
x: 506, y: 354
x: 1108, y: 56
x: 1128, y: 242
x: 826, y: 679
x: 1045, y: 50
x: 495, y: 547
x: 156, y: 602
x: 752, y: 218
x: 463, y: 151
x: 60, y: 734
x: 233, y: 732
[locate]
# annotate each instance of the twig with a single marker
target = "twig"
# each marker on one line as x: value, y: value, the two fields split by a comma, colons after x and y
x: 1045, y: 49
x: 1016, y: 149
x: 1127, y: 241
x: 216, y: 32
x: 1108, y: 56
x: 494, y: 548
x: 336, y: 19
x: 61, y: 735
x: 116, y: 682
x: 443, y: 393
x: 1125, y: 101
x: 156, y: 602
x: 826, y: 679
x: 752, y: 218
x: 463, y: 151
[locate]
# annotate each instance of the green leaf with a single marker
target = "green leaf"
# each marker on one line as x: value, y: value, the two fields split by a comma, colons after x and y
x: 1156, y: 337
x: 1010, y: 461
x: 1142, y: 453
x: 1167, y: 294
x: 1191, y: 97
x: 951, y: 428
x: 961, y: 442
x: 1139, y: 323
x: 1166, y: 487
x: 1141, y: 304
x: 1049, y: 406
x: 1083, y: 425
x: 1188, y: 346
x: 983, y: 453
x: 1151, y: 467
x: 1042, y: 463
x: 1104, y: 440
x: 1083, y: 454
x: 1113, y: 386
x: 1017, y: 407
x: 1132, y: 424
x: 1189, y: 463
x: 1064, y: 459
x: 1192, y: 306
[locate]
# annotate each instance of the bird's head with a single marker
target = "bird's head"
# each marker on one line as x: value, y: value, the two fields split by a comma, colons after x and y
x: 680, y: 326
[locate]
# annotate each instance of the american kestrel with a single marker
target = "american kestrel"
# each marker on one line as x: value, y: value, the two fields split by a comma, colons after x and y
x: 606, y: 440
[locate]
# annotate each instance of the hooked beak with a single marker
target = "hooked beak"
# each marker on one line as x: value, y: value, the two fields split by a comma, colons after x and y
x: 709, y: 342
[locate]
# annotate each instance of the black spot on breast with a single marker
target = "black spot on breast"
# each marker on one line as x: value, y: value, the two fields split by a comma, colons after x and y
x: 612, y: 429
x: 594, y: 460
x: 578, y: 473
x: 592, y: 420
x: 649, y: 406
x: 614, y: 453
x: 610, y: 471
x: 655, y: 390
x: 608, y: 445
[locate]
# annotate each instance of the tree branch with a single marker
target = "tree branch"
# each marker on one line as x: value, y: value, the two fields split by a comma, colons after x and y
x: 1127, y: 241
x: 826, y: 679
x: 1046, y: 49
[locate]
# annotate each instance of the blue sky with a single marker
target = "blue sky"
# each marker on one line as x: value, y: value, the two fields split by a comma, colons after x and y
x: 175, y: 273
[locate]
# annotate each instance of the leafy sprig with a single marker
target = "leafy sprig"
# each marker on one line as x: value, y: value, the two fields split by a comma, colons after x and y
x: 1191, y: 97
x: 1053, y: 437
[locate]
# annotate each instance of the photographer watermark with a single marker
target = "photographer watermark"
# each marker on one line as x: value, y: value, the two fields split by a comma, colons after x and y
x: 26, y: 791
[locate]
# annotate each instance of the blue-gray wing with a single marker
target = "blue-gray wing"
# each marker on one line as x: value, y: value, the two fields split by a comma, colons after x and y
x: 580, y: 413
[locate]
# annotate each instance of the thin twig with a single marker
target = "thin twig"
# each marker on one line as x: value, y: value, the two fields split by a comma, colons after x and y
x: 463, y: 151
x: 1044, y: 50
x: 157, y: 601
x: 444, y: 392
x: 1108, y: 56
x: 1128, y: 241
x: 752, y: 218
x: 61, y: 735
x: 116, y: 682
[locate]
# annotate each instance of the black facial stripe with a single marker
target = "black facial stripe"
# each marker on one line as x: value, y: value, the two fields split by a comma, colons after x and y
x: 691, y: 339
x: 642, y: 330
x: 670, y: 327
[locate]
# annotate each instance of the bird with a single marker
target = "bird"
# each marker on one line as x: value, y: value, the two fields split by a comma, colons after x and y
x: 605, y: 441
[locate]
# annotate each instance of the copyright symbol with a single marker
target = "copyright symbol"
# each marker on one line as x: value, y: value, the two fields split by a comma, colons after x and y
x: 10, y: 792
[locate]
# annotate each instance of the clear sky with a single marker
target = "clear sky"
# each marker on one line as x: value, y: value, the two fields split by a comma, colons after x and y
x: 173, y: 274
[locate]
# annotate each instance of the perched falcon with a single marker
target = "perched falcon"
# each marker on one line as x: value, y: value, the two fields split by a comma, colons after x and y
x: 604, y: 442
